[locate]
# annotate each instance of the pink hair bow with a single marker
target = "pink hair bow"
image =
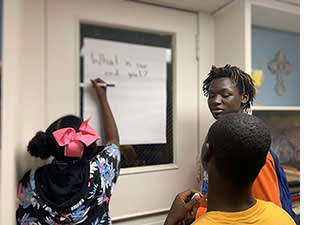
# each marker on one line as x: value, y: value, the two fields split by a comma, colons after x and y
x: 72, y: 141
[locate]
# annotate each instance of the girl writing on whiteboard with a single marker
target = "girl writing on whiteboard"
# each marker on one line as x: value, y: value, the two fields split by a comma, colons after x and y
x: 76, y: 187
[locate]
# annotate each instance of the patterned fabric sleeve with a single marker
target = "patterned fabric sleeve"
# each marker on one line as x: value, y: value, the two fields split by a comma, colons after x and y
x: 25, y: 203
x: 108, y: 162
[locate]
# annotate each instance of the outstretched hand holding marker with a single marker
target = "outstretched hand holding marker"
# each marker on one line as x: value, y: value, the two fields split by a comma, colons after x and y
x: 109, y: 125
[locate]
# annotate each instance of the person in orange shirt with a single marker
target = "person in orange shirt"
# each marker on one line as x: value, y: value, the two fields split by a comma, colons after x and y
x: 231, y: 90
x: 233, y: 153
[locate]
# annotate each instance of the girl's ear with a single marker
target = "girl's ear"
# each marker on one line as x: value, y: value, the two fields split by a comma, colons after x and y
x: 244, y: 98
x: 206, y: 153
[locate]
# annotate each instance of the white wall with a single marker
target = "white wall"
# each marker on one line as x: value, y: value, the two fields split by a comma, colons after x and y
x: 233, y: 35
x: 206, y: 48
x: 22, y: 94
x: 10, y: 134
x: 33, y: 80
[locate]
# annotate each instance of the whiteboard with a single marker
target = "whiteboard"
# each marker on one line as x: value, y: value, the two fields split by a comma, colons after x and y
x: 139, y: 99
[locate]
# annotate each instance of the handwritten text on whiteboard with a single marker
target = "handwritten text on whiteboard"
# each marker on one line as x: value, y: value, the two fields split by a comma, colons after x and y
x: 138, y: 100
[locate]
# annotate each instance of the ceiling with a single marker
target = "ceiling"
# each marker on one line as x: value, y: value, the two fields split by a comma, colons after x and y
x: 275, y: 19
x: 209, y: 6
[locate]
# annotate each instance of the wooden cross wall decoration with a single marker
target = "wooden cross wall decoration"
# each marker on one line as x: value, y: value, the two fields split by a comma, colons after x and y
x: 281, y: 67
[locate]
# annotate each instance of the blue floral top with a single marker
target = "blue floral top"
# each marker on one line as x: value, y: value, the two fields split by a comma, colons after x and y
x: 87, y: 204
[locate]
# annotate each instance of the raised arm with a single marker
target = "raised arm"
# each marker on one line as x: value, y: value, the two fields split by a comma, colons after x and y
x: 109, y: 125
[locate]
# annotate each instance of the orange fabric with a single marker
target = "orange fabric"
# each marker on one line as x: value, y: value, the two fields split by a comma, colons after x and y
x: 265, y: 187
x: 200, y: 212
x: 202, y: 207
x: 204, y: 202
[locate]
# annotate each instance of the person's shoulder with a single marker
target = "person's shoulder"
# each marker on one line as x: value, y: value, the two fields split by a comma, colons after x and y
x: 270, y: 205
x: 26, y: 185
x: 26, y: 178
x: 29, y: 175
x: 204, y: 219
x: 276, y: 213
x: 109, y: 150
x: 109, y: 153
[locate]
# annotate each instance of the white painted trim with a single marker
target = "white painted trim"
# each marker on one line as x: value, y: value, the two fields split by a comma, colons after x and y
x: 11, y: 106
x: 147, y: 169
x: 132, y: 170
x: 277, y: 6
x: 275, y: 108
x: 161, y: 222
x: 206, y: 56
x: 248, y: 37
x: 135, y: 215
x: 230, y: 24
x: 227, y: 6
x: 77, y: 55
